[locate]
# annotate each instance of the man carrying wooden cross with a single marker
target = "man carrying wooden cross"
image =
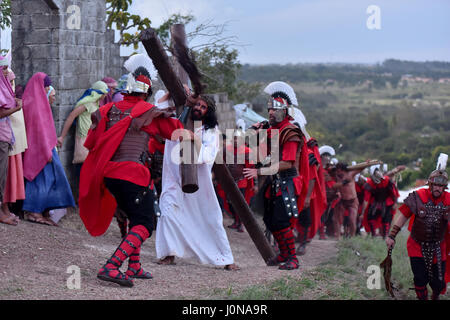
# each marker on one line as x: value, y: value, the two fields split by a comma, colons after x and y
x: 191, y: 224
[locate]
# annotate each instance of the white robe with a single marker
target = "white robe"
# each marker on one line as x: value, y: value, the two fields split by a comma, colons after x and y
x: 191, y: 225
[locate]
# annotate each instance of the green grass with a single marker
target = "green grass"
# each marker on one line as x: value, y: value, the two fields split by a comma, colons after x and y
x: 344, y: 277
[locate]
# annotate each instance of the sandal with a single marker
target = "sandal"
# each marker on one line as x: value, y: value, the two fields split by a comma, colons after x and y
x: 291, y: 264
x: 120, y: 278
x: 138, y: 274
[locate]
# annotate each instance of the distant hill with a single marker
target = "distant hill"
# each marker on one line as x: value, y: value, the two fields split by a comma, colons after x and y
x: 390, y: 70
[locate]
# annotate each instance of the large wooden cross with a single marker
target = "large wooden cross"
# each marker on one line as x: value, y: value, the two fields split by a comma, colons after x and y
x: 156, y: 52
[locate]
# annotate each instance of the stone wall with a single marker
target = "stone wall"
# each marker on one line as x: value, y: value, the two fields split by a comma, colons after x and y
x: 68, y: 40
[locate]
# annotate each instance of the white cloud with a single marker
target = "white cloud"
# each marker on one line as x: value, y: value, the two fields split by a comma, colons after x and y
x: 159, y: 10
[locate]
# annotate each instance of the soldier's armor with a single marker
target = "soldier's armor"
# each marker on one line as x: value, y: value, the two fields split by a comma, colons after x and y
x: 134, y: 145
x: 284, y: 179
x: 430, y: 223
x: 428, y: 229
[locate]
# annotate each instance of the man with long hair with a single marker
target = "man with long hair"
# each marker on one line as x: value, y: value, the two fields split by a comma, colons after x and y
x: 191, y: 224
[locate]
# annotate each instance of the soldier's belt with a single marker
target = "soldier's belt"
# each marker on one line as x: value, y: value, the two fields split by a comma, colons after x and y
x: 284, y: 182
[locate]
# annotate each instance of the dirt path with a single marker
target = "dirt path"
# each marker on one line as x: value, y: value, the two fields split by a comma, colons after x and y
x: 34, y: 260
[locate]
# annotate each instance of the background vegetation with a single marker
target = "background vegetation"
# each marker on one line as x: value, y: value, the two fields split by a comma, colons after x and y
x: 397, y: 111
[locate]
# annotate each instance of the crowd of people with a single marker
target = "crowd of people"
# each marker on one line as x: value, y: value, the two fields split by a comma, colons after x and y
x: 32, y: 181
x: 127, y: 165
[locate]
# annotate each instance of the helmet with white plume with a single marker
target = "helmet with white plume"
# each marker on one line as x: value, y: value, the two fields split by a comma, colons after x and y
x: 141, y: 71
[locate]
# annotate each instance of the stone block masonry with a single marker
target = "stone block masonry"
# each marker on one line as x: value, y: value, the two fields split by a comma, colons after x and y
x: 68, y: 40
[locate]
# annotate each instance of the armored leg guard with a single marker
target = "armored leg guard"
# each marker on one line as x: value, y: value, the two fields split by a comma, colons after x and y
x: 421, y: 292
x: 133, y: 240
x: 280, y: 238
x: 292, y: 261
x: 134, y: 266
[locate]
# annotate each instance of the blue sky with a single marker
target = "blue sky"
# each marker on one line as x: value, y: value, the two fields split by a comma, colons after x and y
x: 298, y: 31
x: 311, y: 31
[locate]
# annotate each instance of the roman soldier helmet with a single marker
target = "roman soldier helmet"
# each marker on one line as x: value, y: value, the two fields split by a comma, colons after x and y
x: 439, y: 176
x: 327, y: 150
x: 141, y: 71
x: 375, y: 173
x: 283, y: 97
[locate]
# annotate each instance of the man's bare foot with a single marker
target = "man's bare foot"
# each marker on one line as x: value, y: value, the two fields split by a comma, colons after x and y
x: 232, y: 267
x: 169, y: 260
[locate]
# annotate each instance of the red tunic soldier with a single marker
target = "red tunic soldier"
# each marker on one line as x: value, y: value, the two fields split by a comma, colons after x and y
x: 429, y: 210
x: 116, y: 174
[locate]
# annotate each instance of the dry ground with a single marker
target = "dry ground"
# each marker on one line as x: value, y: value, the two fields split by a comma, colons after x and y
x: 34, y: 260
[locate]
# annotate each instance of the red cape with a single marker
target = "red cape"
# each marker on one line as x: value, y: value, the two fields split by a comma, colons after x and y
x: 447, y: 239
x: 302, y: 180
x: 318, y: 203
x: 96, y: 203
x: 301, y: 183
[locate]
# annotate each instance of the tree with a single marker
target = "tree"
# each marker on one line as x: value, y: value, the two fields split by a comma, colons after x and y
x: 220, y: 68
x: 117, y: 13
x: 5, y: 14
x: 216, y: 61
x: 208, y: 43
